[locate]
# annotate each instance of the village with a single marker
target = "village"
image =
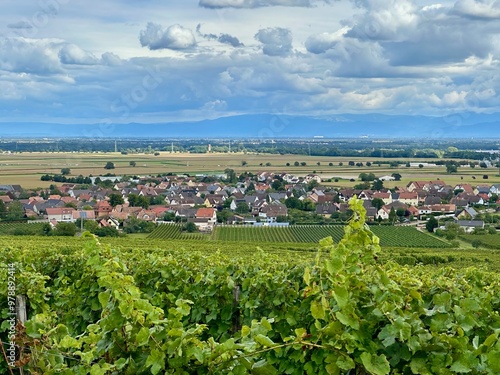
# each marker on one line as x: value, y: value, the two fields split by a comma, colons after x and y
x: 262, y: 199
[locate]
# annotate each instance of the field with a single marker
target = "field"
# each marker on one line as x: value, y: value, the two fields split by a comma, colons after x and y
x: 20, y: 228
x: 389, y: 235
x: 27, y: 168
x: 491, y: 241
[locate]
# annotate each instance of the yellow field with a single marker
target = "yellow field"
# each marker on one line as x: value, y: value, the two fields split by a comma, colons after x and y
x: 27, y: 168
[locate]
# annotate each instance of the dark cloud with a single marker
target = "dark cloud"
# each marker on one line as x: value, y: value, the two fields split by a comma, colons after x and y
x: 217, y: 4
x: 175, y: 37
x: 276, y: 41
x: 20, y: 25
x: 221, y: 38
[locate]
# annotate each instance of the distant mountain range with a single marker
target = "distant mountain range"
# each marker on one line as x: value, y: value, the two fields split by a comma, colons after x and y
x: 462, y: 125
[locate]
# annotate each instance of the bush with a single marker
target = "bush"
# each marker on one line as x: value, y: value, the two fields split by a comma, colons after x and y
x: 476, y: 243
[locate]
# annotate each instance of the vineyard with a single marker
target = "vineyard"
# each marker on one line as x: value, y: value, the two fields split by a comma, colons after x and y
x: 21, y: 228
x: 491, y: 241
x: 389, y: 235
x: 174, y: 232
x: 96, y: 309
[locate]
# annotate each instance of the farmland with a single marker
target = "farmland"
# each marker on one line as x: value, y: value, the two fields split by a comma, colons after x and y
x: 389, y: 236
x: 27, y: 168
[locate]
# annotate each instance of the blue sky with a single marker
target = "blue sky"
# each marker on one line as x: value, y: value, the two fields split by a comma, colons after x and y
x: 76, y: 61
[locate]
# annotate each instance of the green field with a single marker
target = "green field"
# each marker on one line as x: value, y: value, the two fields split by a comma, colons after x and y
x: 20, y: 228
x: 389, y: 235
x: 491, y: 241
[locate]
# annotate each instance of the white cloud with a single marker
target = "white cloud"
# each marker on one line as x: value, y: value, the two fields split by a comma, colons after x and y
x: 319, y: 43
x: 30, y: 55
x: 276, y: 41
x: 487, y: 9
x: 256, y: 3
x: 72, y: 54
x: 175, y: 37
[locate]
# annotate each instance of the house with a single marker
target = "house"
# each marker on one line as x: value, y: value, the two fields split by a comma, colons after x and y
x: 409, y: 198
x: 102, y: 209
x: 385, y: 196
x: 272, y: 211
x: 109, y: 222
x: 468, y: 213
x: 60, y: 214
x: 425, y: 185
x: 470, y: 225
x: 495, y: 189
x: 326, y: 209
x: 206, y: 218
x: 83, y: 214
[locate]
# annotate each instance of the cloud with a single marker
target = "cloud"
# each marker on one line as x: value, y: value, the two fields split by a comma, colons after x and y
x: 485, y: 9
x: 72, y: 54
x: 276, y: 41
x: 111, y: 59
x: 385, y: 20
x: 320, y: 43
x: 30, y: 56
x: 175, y: 37
x: 217, y: 4
x: 20, y: 25
x: 221, y: 38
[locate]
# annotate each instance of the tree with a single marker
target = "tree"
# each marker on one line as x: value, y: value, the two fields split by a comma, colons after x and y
x: 65, y: 229
x: 392, y: 215
x: 303, y: 163
x: 190, y: 227
x: 294, y: 202
x: 242, y: 208
x: 420, y: 166
x: 377, y: 185
x: 351, y: 163
x: 277, y: 185
x: 65, y: 171
x: 397, y: 176
x: 109, y: 165
x: 378, y: 203
x: 115, y: 199
x: 451, y: 168
x: 231, y: 175
x: 132, y: 163
x: 3, y: 210
x: 243, y: 163
x: 296, y: 164
x: 15, y: 211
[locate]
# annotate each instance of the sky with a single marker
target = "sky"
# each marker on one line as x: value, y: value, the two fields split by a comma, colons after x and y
x: 153, y: 61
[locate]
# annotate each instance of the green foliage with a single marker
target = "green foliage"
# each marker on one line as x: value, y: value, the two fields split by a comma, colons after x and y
x: 190, y: 227
x: 109, y: 165
x: 94, y: 309
x: 64, y: 229
x: 431, y: 224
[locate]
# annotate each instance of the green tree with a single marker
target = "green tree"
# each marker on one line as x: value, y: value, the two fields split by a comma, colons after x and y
x: 392, y: 215
x: 242, y: 208
x: 190, y: 227
x: 65, y: 229
x: 115, y: 199
x: 132, y: 163
x: 451, y: 168
x: 3, y: 210
x: 15, y: 211
x: 377, y: 185
x: 431, y: 224
x: 397, y: 176
x: 109, y: 165
x: 65, y: 171
x: 378, y: 203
